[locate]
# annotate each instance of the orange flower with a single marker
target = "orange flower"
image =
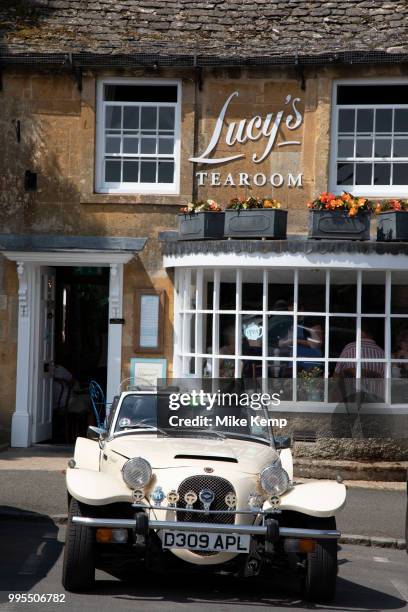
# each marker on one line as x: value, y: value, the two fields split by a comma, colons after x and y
x: 352, y: 212
x: 267, y: 204
x: 361, y: 201
x: 310, y: 204
x: 346, y: 197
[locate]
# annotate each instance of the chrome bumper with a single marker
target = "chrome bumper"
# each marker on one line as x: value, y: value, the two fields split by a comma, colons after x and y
x: 284, y: 532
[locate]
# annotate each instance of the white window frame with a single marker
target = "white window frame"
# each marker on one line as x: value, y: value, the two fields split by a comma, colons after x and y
x: 189, y: 302
x: 136, y: 188
x: 380, y: 191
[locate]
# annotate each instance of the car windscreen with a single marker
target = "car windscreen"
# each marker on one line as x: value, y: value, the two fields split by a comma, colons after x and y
x: 137, y: 411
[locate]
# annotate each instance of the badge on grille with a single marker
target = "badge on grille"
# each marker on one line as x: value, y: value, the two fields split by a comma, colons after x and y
x: 138, y: 495
x: 206, y: 498
x: 172, y: 498
x: 190, y: 498
x: 231, y: 500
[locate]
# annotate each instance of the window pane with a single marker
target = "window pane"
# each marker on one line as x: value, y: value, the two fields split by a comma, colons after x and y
x: 166, y: 146
x: 166, y: 119
x: 343, y: 291
x: 372, y: 384
x: 113, y: 115
x: 372, y: 338
x: 382, y: 148
x: 399, y: 338
x: 252, y: 332
x: 372, y: 94
x: 252, y: 289
x: 373, y: 292
x: 131, y: 145
x: 280, y: 335
x: 363, y: 174
x: 147, y: 172
x: 227, y: 334
x: 310, y: 382
x: 399, y: 292
x: 131, y: 118
x: 401, y: 147
x: 400, y: 174
x: 280, y: 290
x: 166, y: 172
x: 208, y: 292
x: 399, y: 383
x: 112, y: 144
x: 401, y: 120
x: 310, y: 337
x: 227, y: 290
x: 383, y: 120
x: 148, y: 118
x: 141, y: 93
x: 342, y: 337
x: 365, y: 120
x: 312, y: 291
x: 346, y: 120
x: 130, y: 171
x: 364, y: 148
x: 345, y: 174
x: 382, y: 174
x: 112, y: 171
x: 148, y: 145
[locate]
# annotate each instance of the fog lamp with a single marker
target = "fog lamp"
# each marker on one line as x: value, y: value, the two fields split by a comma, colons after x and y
x: 119, y: 536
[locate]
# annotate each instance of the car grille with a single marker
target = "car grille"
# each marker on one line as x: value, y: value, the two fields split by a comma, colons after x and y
x: 219, y: 486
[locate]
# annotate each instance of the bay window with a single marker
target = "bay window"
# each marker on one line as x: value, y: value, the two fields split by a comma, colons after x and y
x: 297, y: 329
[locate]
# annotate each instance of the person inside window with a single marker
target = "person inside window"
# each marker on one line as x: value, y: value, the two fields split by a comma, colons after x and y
x: 369, y: 350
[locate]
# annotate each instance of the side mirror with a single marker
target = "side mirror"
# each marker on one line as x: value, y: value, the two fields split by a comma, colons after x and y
x: 282, y: 442
x: 95, y: 433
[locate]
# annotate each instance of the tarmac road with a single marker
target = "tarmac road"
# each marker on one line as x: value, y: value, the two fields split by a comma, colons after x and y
x: 31, y: 560
x: 370, y: 512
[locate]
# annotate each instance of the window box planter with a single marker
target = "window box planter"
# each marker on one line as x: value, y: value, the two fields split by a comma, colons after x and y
x: 338, y: 225
x: 201, y: 225
x: 256, y: 223
x: 392, y: 225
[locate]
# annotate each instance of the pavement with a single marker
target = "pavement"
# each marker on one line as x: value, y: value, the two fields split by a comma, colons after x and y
x: 369, y: 579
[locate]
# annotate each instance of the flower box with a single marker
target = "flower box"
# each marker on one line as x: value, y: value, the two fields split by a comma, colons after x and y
x: 255, y: 223
x: 201, y: 225
x: 392, y: 225
x: 339, y: 225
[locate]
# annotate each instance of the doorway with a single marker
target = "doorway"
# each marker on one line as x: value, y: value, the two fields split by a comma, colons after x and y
x: 80, y: 347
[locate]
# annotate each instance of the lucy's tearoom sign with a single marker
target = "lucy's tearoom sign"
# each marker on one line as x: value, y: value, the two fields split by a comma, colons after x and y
x: 262, y: 129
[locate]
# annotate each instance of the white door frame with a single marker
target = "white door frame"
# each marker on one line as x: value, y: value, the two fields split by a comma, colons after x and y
x: 29, y: 264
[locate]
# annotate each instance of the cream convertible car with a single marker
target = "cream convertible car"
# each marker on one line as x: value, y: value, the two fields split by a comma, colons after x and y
x: 221, y: 497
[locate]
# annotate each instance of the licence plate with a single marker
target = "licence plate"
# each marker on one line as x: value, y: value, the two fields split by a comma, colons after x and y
x: 220, y: 542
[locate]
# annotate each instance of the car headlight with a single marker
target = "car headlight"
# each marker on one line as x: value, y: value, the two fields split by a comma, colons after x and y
x: 274, y: 479
x: 137, y: 472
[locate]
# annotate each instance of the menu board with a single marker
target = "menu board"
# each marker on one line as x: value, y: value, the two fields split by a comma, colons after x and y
x: 149, y: 321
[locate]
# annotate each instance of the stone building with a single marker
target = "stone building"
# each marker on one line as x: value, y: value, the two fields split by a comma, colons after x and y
x: 115, y: 114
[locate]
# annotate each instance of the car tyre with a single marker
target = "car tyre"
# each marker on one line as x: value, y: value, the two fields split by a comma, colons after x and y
x: 78, y: 572
x: 321, y: 568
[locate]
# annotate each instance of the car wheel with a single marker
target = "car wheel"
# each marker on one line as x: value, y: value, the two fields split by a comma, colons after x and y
x: 321, y: 567
x: 78, y: 571
x: 406, y: 521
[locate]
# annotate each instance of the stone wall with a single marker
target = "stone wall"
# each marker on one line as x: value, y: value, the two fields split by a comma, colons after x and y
x: 57, y: 127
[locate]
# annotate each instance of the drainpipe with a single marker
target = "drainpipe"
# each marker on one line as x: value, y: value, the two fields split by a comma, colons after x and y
x: 198, y: 86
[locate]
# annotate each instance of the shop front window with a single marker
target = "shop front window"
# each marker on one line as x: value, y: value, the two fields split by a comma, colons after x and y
x: 370, y: 139
x: 301, y: 330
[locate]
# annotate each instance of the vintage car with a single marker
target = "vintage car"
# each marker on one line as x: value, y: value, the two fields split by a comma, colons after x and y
x: 217, y: 496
